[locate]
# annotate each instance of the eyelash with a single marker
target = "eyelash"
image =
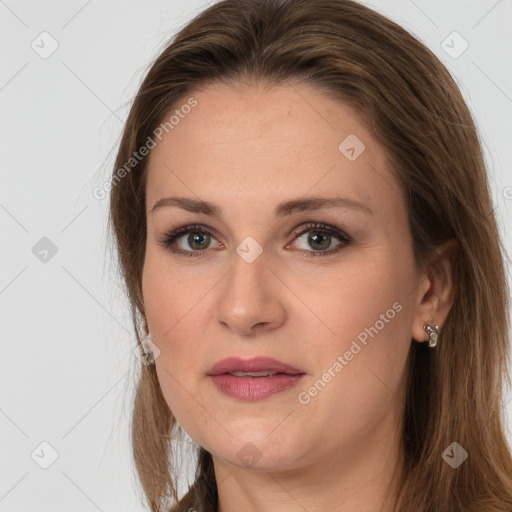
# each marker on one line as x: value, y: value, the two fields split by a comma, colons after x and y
x: 168, y: 239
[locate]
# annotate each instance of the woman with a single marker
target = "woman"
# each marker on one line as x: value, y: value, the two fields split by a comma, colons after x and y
x: 304, y: 225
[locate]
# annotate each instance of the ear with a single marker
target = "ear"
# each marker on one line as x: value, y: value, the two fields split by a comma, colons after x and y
x: 436, y: 290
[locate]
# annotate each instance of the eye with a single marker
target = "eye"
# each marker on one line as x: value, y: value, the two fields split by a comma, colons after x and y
x: 193, y: 240
x: 197, y: 237
x: 320, y: 237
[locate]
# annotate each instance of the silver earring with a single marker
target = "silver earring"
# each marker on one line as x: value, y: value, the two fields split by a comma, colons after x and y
x: 148, y: 357
x: 433, y: 332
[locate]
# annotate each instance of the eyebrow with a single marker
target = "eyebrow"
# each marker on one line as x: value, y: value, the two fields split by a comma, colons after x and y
x: 282, y: 209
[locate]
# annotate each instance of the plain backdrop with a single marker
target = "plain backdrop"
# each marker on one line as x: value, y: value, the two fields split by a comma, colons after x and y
x: 67, y: 366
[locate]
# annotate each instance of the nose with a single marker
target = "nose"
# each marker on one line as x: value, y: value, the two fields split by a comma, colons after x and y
x: 250, y: 298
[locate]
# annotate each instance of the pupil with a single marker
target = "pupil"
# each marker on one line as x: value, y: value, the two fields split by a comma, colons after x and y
x: 196, y: 238
x: 313, y: 238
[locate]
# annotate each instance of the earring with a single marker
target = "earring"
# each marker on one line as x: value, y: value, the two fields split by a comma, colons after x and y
x: 433, y: 332
x: 148, y: 357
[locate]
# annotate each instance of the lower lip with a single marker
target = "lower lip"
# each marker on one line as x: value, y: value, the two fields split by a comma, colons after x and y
x: 254, y: 388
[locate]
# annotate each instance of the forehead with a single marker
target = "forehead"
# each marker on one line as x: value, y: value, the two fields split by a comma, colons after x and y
x: 253, y: 143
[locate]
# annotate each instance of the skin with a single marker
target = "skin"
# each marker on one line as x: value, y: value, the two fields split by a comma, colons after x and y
x: 246, y: 149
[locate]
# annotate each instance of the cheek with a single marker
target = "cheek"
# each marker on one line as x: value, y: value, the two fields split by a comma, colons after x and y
x: 171, y: 300
x: 177, y: 313
x: 361, y: 300
x: 368, y: 314
x: 171, y: 322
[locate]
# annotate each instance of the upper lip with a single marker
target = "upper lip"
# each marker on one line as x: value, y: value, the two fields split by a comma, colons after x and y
x: 256, y: 364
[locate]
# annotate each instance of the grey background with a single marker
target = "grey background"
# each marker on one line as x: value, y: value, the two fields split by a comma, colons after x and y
x: 67, y: 367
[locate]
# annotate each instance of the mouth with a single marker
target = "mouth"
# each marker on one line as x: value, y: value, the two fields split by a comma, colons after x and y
x: 255, y: 367
x: 253, y: 379
x: 264, y: 373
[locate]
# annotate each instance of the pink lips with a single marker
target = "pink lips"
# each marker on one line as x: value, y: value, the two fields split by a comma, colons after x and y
x: 256, y: 364
x: 252, y: 388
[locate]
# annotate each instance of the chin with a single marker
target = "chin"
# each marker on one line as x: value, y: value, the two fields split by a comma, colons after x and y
x: 258, y: 453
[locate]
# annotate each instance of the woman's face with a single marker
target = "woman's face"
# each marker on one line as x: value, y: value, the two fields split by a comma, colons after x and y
x: 258, y: 278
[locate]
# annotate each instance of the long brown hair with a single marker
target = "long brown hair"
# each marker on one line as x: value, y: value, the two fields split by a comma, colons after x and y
x: 415, y: 109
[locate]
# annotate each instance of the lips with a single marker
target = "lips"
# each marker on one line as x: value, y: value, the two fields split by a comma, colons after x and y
x: 253, y: 379
x: 257, y: 365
